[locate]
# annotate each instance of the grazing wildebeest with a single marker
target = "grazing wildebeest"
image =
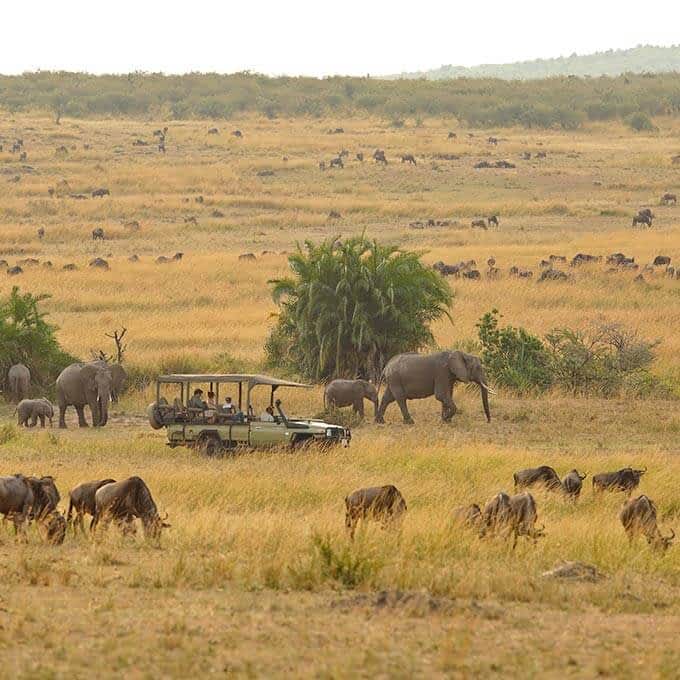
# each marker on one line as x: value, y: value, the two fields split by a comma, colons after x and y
x: 70, y: 267
x: 81, y: 500
x: 478, y: 223
x: 492, y: 140
x: 213, y: 131
x: 45, y: 496
x: 379, y: 156
x: 638, y: 516
x: 468, y: 515
x: 472, y: 274
x: 520, y: 273
x: 495, y: 514
x: 334, y: 215
x: 553, y: 275
x: 493, y: 273
x: 493, y: 220
x: 237, y: 133
x: 522, y: 517
x: 247, y: 256
x: 99, y: 263
x: 661, y: 261
x: 336, y: 163
x: 408, y: 158
x: 642, y: 219
x: 557, y: 258
x: 668, y: 199
x: 322, y: 165
x: 16, y: 500
x: 381, y: 503
x: 572, y: 483
x: 452, y: 135
x: 124, y: 501
x: 618, y: 258
x: 15, y: 271
x: 360, y: 157
x: 543, y: 475
x: 584, y: 258
x: 99, y: 193
x: 41, y: 233
x: 625, y: 479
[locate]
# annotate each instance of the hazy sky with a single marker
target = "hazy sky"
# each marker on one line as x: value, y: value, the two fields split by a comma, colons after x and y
x: 317, y: 38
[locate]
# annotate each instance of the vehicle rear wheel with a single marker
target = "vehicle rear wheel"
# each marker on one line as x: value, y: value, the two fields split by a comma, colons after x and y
x: 210, y: 445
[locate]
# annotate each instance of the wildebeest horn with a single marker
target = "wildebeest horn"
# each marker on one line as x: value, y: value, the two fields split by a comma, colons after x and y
x: 166, y: 516
x: 585, y: 474
x: 672, y: 536
x: 487, y: 388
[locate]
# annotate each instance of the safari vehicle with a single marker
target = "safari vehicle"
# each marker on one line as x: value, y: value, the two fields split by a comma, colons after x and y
x: 214, y: 430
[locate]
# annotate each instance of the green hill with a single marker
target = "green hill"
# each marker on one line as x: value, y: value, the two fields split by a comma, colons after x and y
x: 641, y: 59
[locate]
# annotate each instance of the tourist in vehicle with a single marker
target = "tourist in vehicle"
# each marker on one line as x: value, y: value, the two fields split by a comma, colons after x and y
x: 197, y: 400
x: 267, y: 415
x: 211, y: 400
x: 228, y: 406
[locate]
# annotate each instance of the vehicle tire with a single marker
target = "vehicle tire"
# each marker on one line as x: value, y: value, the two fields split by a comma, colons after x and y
x: 210, y: 445
x: 154, y: 416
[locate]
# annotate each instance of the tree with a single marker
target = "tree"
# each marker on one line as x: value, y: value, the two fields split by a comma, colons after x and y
x: 26, y: 337
x: 350, y: 306
x: 58, y: 104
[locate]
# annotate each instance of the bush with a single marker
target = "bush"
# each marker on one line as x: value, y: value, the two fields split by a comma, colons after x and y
x: 513, y: 357
x: 640, y: 122
x: 25, y: 337
x: 352, y: 305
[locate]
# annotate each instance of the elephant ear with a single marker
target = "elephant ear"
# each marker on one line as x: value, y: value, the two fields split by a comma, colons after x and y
x: 88, y: 373
x: 459, y: 365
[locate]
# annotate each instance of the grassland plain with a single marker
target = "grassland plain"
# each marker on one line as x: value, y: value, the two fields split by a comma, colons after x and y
x: 256, y: 576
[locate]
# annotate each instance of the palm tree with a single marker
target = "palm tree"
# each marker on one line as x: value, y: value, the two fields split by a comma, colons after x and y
x: 352, y: 305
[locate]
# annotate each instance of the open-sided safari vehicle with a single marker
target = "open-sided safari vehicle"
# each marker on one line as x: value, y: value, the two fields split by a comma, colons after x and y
x: 215, y: 427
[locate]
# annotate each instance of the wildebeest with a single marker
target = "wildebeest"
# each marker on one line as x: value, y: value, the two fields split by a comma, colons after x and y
x: 493, y: 220
x: 360, y: 157
x: 70, y: 267
x: 98, y: 234
x: 379, y: 156
x: 584, y: 258
x: 15, y: 271
x: 492, y: 140
x: 451, y: 135
x: 511, y: 514
x: 237, y: 133
x: 572, y: 483
x: 213, y: 131
x: 336, y: 163
x: 322, y: 165
x: 334, y: 215
x: 625, y: 479
x: 472, y: 274
x: 122, y: 502
x: 247, y: 256
x: 668, y: 199
x: 478, y: 223
x: 41, y: 233
x: 408, y: 158
x: 557, y: 258
x: 99, y: 193
x: 520, y: 272
x: 551, y: 274
x: 99, y: 263
x: 469, y: 515
x: 381, y: 503
x: 543, y: 475
x: 661, y: 261
x: 16, y: 500
x: 638, y: 516
x: 81, y: 500
x: 642, y: 219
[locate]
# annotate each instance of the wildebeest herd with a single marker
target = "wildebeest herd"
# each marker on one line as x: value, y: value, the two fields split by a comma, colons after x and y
x: 516, y: 515
x: 25, y: 500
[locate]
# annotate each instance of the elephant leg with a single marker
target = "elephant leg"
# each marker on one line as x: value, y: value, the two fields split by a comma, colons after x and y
x: 80, y: 409
x: 401, y: 401
x: 386, y: 400
x: 42, y: 420
x: 62, y: 414
x: 359, y: 408
x: 34, y: 420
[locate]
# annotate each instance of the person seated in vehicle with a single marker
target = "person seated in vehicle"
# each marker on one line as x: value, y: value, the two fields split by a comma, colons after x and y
x: 211, y: 400
x: 197, y: 400
x: 228, y: 406
x: 268, y: 415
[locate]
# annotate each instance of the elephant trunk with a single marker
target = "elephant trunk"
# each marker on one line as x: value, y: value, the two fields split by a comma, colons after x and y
x: 102, y: 412
x: 485, y: 401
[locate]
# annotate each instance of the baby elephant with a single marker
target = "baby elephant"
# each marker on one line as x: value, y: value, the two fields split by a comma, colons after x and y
x: 82, y: 500
x: 34, y: 410
x: 381, y: 503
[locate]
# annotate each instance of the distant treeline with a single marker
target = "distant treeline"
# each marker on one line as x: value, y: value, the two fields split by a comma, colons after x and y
x: 641, y: 59
x: 565, y: 102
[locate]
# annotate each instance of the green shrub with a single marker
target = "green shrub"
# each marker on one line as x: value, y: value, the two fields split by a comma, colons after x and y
x: 640, y: 122
x: 25, y: 337
x: 350, y: 306
x: 513, y: 357
x: 346, y: 565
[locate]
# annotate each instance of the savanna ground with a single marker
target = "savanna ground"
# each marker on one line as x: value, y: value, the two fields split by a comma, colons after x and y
x: 256, y: 576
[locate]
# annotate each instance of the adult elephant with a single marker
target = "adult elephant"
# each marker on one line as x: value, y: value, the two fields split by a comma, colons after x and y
x: 118, y: 381
x: 19, y: 379
x: 339, y: 393
x: 88, y: 384
x: 417, y: 376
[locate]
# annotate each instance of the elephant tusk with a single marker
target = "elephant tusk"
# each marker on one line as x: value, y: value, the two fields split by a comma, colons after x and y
x: 487, y: 388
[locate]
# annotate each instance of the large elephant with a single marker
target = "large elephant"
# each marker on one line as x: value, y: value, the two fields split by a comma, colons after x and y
x: 19, y: 380
x: 118, y: 381
x: 417, y: 376
x: 34, y: 409
x: 88, y: 384
x: 352, y: 393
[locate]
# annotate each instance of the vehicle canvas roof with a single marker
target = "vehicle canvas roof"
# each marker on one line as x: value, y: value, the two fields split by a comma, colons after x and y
x: 251, y: 379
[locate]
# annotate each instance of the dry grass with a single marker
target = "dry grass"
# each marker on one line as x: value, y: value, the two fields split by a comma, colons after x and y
x: 240, y: 584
